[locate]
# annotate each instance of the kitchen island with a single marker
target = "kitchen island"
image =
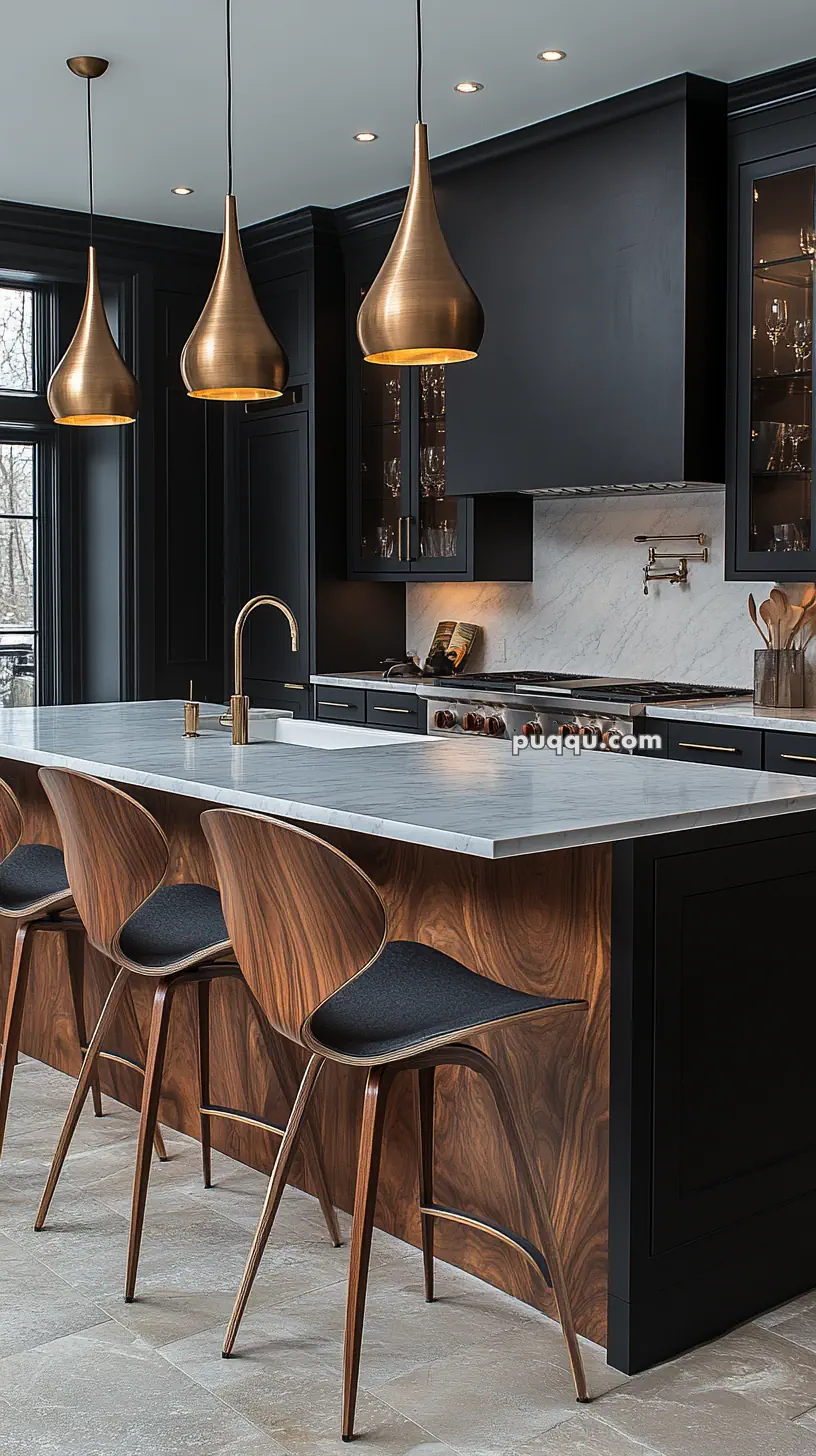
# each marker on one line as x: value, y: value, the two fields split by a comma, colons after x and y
x: 671, y: 1118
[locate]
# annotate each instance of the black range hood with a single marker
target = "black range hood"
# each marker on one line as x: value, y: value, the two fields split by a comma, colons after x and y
x: 596, y: 242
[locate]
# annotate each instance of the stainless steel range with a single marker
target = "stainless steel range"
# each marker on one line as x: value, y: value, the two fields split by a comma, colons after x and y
x: 599, y: 711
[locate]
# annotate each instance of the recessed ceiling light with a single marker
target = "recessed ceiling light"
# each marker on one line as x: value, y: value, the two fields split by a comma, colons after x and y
x: 552, y: 55
x: 182, y: 191
x: 468, y: 87
x: 365, y: 136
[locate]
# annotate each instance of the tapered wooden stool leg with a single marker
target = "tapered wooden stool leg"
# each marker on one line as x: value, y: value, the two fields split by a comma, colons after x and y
x: 75, y: 952
x: 531, y: 1188
x: 282, y: 1057
x: 425, y: 1148
x: 365, y: 1202
x: 81, y: 1090
x: 130, y: 1009
x: 274, y: 1193
x: 204, y: 1078
x: 156, y: 1047
x: 15, y: 1006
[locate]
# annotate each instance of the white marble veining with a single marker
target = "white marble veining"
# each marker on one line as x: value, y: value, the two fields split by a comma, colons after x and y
x: 472, y: 797
x: 365, y: 680
x: 585, y: 609
x: 741, y: 715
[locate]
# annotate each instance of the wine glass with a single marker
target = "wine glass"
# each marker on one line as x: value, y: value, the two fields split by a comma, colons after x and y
x: 802, y: 341
x: 392, y: 478
x: 393, y: 388
x: 776, y: 325
x: 807, y: 242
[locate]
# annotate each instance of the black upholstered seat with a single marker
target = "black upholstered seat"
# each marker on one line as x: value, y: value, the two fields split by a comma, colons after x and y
x: 31, y: 873
x: 410, y: 995
x: 177, y: 923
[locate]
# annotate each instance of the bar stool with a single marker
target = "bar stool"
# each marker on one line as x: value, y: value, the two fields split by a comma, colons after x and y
x: 117, y: 856
x: 34, y: 892
x: 311, y: 935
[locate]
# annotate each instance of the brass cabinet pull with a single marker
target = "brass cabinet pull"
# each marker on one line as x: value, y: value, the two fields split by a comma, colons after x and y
x: 799, y: 757
x: 710, y: 747
x: 404, y: 552
x: 327, y: 703
x: 392, y: 710
x: 296, y: 687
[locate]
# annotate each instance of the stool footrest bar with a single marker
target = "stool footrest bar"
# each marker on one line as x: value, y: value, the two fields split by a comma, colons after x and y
x: 234, y: 1115
x: 496, y: 1230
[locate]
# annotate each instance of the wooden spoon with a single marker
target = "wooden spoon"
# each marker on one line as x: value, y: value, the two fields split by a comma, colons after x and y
x: 752, y: 612
x: 790, y: 624
x: 808, y: 596
x: 770, y: 613
x: 781, y: 598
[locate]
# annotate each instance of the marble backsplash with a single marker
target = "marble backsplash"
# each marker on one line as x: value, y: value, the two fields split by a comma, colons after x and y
x: 585, y: 608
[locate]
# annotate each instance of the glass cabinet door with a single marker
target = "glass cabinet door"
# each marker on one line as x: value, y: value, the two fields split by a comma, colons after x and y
x: 383, y: 485
x: 779, y: 516
x: 438, y: 517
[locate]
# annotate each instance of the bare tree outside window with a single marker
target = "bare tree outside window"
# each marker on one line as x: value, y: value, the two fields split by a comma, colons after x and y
x: 16, y: 339
x: 17, y: 579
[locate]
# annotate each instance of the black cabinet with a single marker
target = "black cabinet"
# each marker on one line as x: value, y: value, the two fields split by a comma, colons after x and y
x: 398, y: 712
x: 402, y: 523
x: 715, y: 743
x: 275, y: 547
x: 790, y: 753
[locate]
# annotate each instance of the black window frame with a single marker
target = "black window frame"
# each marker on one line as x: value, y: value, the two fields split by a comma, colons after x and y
x: 25, y: 419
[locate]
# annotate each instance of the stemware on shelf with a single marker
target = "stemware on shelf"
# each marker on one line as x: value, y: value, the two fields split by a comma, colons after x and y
x: 385, y: 539
x: 392, y: 478
x: 776, y: 325
x: 807, y: 241
x: 802, y: 342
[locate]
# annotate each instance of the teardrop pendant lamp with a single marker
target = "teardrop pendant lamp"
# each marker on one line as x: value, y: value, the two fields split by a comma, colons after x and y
x: 420, y: 309
x: 232, y: 354
x: 92, y: 384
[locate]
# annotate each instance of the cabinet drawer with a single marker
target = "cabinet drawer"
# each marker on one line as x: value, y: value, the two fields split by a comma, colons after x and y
x: 343, y: 705
x: 398, y: 711
x: 790, y: 753
x: 715, y: 743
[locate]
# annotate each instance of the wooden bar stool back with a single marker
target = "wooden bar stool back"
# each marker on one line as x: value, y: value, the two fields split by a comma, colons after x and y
x: 34, y: 893
x: 310, y: 933
x: 117, y: 859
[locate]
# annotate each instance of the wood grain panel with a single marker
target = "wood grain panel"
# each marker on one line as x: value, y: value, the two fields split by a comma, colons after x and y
x: 538, y: 922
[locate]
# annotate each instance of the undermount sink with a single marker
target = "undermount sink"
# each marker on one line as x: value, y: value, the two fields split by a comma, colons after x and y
x: 270, y: 726
x: 305, y: 733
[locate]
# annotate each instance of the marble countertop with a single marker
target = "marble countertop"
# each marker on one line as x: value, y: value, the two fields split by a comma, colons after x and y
x: 373, y: 679
x: 472, y: 797
x: 740, y: 715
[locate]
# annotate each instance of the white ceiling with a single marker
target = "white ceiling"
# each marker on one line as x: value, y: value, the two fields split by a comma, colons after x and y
x: 310, y: 73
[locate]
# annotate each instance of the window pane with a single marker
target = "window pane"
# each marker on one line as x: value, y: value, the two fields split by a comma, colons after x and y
x: 16, y: 573
x: 17, y: 679
x: 16, y: 338
x: 16, y: 479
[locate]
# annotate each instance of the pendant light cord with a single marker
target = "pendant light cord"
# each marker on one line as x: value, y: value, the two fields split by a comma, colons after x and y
x: 90, y: 165
x: 419, y: 57
x: 229, y: 96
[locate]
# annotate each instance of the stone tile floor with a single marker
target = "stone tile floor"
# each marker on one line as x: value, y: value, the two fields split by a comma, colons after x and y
x: 83, y: 1374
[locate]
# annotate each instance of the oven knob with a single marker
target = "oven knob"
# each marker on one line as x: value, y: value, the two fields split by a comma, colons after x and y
x: 495, y: 727
x: 567, y: 730
x: 532, y: 730
x: 610, y: 747
x: 473, y: 722
x: 444, y: 719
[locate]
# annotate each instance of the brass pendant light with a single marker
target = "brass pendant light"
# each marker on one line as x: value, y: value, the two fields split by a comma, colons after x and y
x: 420, y: 309
x: 92, y: 384
x: 232, y: 354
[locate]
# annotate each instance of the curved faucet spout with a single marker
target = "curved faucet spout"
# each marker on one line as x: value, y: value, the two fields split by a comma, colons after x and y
x: 240, y: 703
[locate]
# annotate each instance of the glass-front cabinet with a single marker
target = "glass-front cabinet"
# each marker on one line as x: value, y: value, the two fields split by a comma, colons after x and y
x: 774, y: 526
x: 402, y: 522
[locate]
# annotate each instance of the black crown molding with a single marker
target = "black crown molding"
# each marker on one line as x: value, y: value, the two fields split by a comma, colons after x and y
x: 772, y: 88
x: 26, y: 223
x: 305, y: 226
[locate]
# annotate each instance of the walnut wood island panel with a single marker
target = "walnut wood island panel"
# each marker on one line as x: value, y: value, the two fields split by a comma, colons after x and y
x: 682, y: 1182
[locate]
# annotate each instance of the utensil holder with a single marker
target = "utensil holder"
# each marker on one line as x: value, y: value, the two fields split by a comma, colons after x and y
x: 779, y: 677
